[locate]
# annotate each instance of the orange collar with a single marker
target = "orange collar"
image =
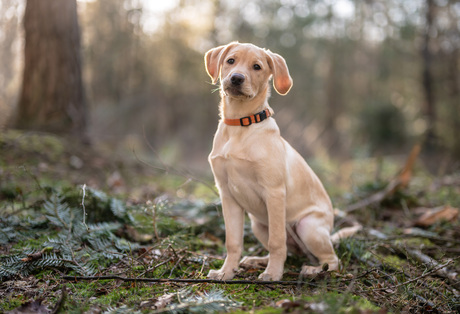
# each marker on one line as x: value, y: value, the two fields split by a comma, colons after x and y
x: 247, y: 121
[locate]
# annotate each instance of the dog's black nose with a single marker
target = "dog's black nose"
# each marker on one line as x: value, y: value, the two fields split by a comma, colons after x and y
x: 237, y: 79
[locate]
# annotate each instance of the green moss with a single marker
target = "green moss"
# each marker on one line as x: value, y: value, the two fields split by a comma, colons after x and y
x: 418, y: 242
x: 336, y: 302
x: 111, y: 294
x: 11, y: 302
x: 255, y: 295
x: 394, y: 261
x: 24, y: 143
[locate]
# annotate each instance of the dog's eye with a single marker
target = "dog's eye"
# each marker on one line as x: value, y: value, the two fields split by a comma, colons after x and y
x: 257, y: 67
x: 231, y: 61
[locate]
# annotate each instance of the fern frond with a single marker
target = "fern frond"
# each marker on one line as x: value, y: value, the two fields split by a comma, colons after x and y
x: 7, y: 231
x: 98, y: 194
x: 104, y: 227
x: 120, y: 310
x: 118, y: 208
x: 58, y: 212
x: 100, y: 244
x: 7, y: 234
x: 125, y: 245
x: 10, y: 266
x: 86, y: 269
x: 83, y: 270
x: 63, y: 244
x: 49, y: 260
x: 77, y: 247
x: 211, y: 302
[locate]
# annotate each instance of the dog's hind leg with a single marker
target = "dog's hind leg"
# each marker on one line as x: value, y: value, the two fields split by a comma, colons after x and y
x: 314, y: 232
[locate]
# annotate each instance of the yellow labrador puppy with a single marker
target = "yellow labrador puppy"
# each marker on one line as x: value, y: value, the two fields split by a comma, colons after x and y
x: 258, y: 172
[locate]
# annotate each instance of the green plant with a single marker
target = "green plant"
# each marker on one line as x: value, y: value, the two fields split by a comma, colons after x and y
x: 208, y: 302
x: 78, y: 246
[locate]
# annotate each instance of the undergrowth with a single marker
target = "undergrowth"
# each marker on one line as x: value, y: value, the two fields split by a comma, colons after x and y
x: 77, y: 246
x: 59, y: 240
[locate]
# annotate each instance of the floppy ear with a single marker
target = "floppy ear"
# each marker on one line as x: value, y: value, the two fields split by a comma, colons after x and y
x: 214, y: 58
x: 282, y: 81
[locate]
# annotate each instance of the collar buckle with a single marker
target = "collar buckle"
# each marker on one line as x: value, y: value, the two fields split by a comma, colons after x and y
x: 256, y: 118
x: 248, y: 119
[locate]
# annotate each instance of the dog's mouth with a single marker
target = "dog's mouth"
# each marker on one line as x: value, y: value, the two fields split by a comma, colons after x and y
x: 236, y: 92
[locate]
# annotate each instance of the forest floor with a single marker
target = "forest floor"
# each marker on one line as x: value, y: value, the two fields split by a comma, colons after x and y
x: 84, y: 231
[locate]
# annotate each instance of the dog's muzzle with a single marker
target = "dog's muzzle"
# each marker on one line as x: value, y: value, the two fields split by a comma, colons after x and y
x: 237, y: 79
x: 234, y: 86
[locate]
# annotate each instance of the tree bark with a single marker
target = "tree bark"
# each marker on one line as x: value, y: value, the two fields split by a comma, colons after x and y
x: 454, y: 93
x: 52, y: 97
x: 333, y: 96
x: 427, y: 76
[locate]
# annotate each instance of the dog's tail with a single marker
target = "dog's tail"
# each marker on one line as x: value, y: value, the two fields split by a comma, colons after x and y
x: 345, y: 233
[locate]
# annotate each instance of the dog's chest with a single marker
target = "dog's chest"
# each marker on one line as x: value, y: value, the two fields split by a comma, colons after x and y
x: 233, y: 168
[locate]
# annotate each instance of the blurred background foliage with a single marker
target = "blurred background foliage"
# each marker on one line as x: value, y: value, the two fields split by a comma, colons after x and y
x: 360, y: 72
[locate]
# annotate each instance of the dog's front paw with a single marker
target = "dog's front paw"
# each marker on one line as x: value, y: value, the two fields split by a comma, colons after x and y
x: 265, y: 276
x: 221, y: 274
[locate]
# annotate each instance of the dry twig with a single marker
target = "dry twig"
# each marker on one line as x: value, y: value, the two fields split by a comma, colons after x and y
x: 434, y: 270
x: 213, y: 281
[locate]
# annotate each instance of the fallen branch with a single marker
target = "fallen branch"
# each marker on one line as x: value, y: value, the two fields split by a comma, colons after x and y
x: 434, y: 270
x: 401, y: 181
x: 213, y: 281
x: 378, y: 266
x: 439, y: 269
x: 375, y: 198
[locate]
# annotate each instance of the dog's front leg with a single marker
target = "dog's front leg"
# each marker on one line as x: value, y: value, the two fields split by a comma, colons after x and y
x: 276, y: 208
x: 234, y: 230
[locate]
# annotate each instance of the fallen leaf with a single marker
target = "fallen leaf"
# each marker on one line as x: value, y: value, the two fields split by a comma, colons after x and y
x: 433, y: 215
x: 281, y: 302
x: 287, y: 304
x: 406, y: 173
x: 32, y: 257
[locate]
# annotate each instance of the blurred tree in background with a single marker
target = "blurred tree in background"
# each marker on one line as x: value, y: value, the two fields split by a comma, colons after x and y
x: 52, y: 97
x: 370, y: 77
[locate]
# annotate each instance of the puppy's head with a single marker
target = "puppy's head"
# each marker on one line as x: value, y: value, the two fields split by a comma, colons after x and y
x: 244, y: 70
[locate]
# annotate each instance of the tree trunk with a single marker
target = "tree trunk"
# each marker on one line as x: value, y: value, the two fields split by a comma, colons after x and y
x: 52, y: 97
x: 454, y: 93
x: 333, y: 101
x: 427, y: 77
